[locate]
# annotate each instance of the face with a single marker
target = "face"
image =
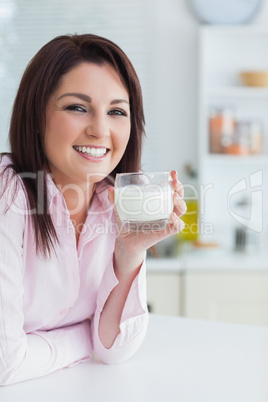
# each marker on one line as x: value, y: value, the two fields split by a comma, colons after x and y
x: 87, y: 124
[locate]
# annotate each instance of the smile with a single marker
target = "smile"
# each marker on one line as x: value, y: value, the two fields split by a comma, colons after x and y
x: 95, y: 152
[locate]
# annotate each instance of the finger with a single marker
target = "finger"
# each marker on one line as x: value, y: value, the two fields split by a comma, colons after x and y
x: 174, y: 174
x: 176, y: 224
x: 180, y: 206
x: 177, y: 185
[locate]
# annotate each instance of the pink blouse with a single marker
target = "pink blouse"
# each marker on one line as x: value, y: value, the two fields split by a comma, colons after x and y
x: 46, y: 305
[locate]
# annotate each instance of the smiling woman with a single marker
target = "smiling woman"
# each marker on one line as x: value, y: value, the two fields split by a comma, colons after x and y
x: 64, y: 254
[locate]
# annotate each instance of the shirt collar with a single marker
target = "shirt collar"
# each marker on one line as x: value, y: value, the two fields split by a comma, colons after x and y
x: 100, y: 202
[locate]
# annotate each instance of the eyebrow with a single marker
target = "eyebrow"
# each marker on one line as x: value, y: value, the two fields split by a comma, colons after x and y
x: 77, y: 95
x: 89, y: 99
x: 113, y: 102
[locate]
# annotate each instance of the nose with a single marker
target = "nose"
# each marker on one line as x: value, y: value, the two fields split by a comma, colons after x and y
x: 98, y: 126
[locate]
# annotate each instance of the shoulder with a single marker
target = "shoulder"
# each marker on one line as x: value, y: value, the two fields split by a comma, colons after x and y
x: 11, y: 185
x: 8, y: 176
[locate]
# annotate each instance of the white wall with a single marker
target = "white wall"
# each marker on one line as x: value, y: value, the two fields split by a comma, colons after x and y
x: 177, y: 72
x: 171, y: 96
x: 262, y: 17
x: 176, y: 68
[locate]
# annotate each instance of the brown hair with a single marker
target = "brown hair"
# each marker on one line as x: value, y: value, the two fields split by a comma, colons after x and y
x: 27, y: 127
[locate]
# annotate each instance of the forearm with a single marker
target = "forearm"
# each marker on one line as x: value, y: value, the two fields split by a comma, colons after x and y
x: 43, y: 352
x: 126, y: 269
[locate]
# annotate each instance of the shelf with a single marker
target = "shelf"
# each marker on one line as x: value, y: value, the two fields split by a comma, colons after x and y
x: 224, y: 52
x: 238, y: 92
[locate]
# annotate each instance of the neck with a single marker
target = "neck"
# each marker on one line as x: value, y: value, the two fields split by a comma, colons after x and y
x: 78, y: 198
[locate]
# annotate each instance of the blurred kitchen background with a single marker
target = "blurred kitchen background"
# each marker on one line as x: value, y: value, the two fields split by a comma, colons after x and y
x: 203, y: 67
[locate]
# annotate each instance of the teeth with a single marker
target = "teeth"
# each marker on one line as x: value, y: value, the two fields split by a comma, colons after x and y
x: 96, y: 152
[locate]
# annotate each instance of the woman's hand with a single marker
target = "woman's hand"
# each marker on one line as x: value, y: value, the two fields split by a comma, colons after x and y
x: 130, y: 246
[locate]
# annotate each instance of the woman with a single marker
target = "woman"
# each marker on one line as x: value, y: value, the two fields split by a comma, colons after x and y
x: 71, y: 280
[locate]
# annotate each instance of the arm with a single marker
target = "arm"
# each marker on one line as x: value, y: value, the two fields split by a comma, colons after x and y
x: 26, y: 356
x: 120, y: 320
x: 112, y: 311
x: 116, y: 339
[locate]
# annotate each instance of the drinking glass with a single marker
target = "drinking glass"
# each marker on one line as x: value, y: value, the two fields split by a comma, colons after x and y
x: 144, y: 200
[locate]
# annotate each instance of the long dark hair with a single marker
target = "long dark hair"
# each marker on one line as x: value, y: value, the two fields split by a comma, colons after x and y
x: 27, y: 126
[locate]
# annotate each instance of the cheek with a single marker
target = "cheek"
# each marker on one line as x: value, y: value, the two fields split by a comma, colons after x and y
x: 121, y: 139
x: 59, y: 131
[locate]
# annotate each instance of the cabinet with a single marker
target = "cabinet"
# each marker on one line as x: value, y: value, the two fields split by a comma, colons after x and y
x: 163, y: 293
x: 227, y: 297
x: 238, y: 297
x: 228, y: 179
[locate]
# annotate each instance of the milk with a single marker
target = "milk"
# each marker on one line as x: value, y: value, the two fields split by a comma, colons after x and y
x: 148, y: 203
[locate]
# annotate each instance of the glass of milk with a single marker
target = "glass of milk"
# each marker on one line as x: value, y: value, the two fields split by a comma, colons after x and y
x: 144, y: 201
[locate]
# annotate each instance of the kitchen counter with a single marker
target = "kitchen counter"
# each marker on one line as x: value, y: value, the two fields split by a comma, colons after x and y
x: 181, y: 359
x: 218, y: 259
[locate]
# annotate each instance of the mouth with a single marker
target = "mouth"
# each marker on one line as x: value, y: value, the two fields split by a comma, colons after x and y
x: 95, y: 152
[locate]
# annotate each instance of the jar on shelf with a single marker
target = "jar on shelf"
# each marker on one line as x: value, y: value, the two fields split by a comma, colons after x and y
x: 221, y: 129
x: 248, y: 139
x: 256, y: 138
x: 240, y: 143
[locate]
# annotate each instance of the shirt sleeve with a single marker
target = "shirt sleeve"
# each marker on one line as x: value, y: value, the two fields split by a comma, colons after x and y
x: 26, y: 356
x: 134, y: 319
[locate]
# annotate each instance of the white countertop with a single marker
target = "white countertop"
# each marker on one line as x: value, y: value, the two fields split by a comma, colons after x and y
x: 216, y: 260
x: 182, y: 360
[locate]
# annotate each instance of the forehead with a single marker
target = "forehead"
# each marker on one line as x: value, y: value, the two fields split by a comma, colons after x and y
x: 91, y: 76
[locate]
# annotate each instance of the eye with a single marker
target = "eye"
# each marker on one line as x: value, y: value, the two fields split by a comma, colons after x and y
x: 117, y: 112
x: 76, y: 108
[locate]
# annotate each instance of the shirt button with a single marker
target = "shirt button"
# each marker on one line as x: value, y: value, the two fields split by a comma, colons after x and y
x: 64, y: 311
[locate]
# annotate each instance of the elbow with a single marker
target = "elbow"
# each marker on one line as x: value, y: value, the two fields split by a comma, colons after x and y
x: 110, y: 358
x: 117, y: 355
x: 126, y: 344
